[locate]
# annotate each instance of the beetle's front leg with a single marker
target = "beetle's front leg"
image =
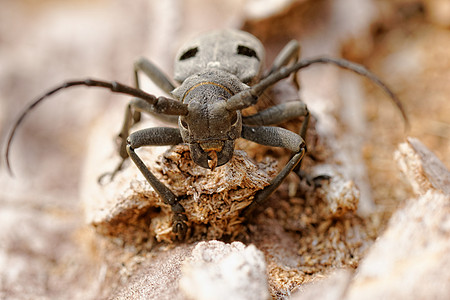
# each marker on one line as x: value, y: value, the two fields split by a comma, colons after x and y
x: 276, y: 137
x: 153, y: 137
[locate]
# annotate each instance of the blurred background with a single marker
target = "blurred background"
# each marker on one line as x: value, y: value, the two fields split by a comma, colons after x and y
x: 43, y: 43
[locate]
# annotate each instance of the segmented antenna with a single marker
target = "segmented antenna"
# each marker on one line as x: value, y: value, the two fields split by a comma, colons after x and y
x: 237, y: 101
x: 176, y: 107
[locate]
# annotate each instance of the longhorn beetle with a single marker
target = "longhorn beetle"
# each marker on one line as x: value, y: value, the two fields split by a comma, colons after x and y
x: 220, y: 73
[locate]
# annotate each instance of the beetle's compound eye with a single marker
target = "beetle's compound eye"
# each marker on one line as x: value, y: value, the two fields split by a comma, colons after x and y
x: 189, y: 53
x: 184, y: 124
x: 246, y: 51
x: 234, y: 119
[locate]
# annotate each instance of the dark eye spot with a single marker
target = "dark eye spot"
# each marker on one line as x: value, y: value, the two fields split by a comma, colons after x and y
x: 184, y: 124
x: 234, y: 119
x: 189, y: 53
x: 246, y: 51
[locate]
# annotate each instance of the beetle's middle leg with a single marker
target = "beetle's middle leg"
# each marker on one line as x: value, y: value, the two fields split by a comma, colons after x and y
x: 290, y: 53
x: 153, y: 137
x: 136, y: 106
x: 157, y: 77
x: 132, y: 116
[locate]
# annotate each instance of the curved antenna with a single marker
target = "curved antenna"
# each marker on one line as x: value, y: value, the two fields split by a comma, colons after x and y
x: 249, y: 97
x: 172, y: 106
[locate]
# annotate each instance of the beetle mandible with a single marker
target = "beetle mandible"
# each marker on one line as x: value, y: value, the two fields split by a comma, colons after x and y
x: 220, y: 73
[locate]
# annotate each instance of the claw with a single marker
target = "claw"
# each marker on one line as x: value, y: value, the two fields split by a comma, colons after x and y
x: 179, y: 221
x: 317, y: 181
x: 101, y: 179
x: 180, y: 229
x: 212, y: 163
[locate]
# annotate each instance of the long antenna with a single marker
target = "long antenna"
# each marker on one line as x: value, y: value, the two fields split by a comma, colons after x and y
x: 240, y: 101
x: 177, y: 108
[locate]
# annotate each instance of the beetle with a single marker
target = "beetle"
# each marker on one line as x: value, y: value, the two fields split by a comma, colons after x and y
x: 219, y: 74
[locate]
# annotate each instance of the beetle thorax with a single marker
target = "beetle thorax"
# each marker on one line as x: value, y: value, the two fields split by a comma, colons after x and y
x: 233, y: 51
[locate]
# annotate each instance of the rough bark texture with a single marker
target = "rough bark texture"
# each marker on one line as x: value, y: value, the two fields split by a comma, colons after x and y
x: 410, y: 260
x: 133, y: 211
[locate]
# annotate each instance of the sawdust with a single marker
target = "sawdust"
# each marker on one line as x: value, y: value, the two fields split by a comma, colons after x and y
x: 212, y: 199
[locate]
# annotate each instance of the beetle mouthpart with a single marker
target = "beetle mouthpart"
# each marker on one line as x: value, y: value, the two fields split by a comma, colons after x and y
x: 210, y: 146
x: 212, y: 159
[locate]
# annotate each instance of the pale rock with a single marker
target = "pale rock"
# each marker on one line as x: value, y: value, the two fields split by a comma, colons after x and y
x: 217, y: 270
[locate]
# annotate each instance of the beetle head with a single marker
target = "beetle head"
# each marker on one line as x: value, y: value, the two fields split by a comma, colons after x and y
x: 209, y: 128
